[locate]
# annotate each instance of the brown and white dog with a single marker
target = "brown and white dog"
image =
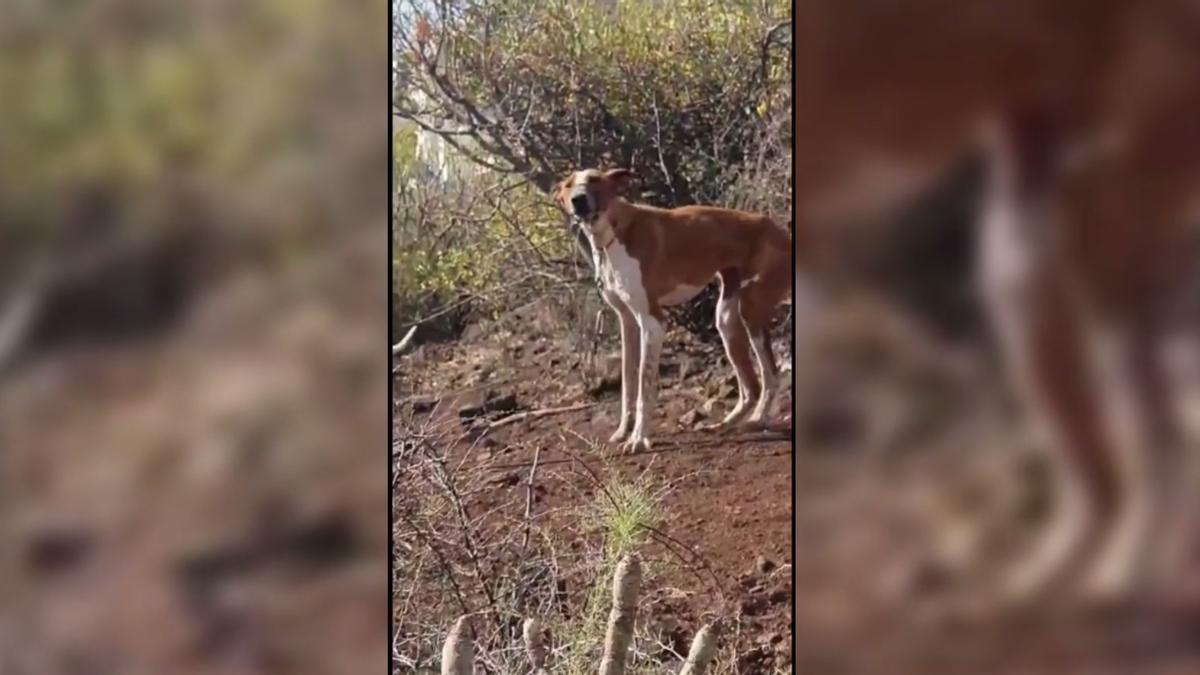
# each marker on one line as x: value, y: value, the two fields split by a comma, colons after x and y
x: 1089, y: 111
x: 647, y: 258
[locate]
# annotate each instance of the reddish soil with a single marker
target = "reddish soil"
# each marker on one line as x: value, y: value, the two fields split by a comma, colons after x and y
x: 209, y: 501
x: 903, y: 449
x: 728, y: 495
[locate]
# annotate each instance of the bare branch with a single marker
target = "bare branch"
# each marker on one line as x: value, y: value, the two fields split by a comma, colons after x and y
x: 400, y: 346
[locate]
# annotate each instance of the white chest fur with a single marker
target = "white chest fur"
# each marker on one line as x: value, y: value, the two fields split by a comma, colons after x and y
x: 621, y: 274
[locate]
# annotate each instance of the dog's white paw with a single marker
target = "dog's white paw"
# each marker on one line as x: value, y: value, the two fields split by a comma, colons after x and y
x: 733, y: 418
x: 635, y: 445
x: 752, y: 424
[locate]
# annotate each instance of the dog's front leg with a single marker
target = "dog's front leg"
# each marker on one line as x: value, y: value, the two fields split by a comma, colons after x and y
x: 651, y: 348
x: 630, y: 350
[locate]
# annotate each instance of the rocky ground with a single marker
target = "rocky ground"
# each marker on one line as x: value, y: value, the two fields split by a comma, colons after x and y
x: 726, y: 498
x: 209, y: 498
x: 910, y: 482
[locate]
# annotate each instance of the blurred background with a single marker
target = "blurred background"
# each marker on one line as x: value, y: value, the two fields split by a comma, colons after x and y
x: 193, y: 278
x: 921, y: 479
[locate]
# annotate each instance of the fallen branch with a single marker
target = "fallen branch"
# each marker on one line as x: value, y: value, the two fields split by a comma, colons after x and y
x: 404, y: 342
x: 534, y: 414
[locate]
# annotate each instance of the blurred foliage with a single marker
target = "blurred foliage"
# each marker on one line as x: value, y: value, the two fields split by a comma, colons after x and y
x: 675, y: 89
x: 693, y: 95
x: 465, y: 241
x: 189, y: 376
x: 130, y: 103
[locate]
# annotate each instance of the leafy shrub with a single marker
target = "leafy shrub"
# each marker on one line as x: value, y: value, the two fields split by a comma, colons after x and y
x: 693, y: 95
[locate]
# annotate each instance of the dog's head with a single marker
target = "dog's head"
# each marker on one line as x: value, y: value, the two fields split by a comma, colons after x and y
x: 587, y: 194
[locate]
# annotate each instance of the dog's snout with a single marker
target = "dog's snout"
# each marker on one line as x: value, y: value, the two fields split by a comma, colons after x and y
x: 579, y: 203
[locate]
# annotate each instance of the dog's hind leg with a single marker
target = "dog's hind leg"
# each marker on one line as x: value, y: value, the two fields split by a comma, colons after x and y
x: 1042, y: 333
x: 737, y: 346
x: 761, y: 344
x: 1155, y: 525
x: 1119, y: 563
x: 758, y: 301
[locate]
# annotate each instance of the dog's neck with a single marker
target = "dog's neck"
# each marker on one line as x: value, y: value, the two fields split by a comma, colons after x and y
x: 602, y: 232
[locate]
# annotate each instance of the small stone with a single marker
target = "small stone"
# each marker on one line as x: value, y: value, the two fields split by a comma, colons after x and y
x: 491, y: 404
x: 691, y: 418
x: 751, y: 605
x: 55, y: 549
x: 423, y: 405
x: 506, y: 479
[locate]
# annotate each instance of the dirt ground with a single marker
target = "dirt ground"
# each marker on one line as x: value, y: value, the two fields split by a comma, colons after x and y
x: 728, y: 501
x: 907, y: 458
x: 206, y: 500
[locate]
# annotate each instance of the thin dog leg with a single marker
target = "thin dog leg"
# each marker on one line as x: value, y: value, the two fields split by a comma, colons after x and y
x: 630, y: 355
x: 1121, y: 553
x: 758, y: 302
x: 1043, y: 342
x: 737, y: 347
x: 1169, y: 466
x: 1042, y: 334
x: 761, y: 344
x: 651, y: 342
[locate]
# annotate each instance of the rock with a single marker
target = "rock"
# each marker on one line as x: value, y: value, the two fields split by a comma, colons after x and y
x: 57, y: 549
x: 764, y: 565
x: 472, y: 332
x: 752, y: 605
x: 475, y: 430
x: 491, y: 405
x: 506, y: 479
x: 831, y: 425
x: 691, y: 418
x: 423, y: 405
x: 686, y: 368
x: 506, y: 404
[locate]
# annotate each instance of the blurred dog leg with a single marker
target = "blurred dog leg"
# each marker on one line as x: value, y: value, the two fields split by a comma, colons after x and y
x: 1144, y: 456
x: 1042, y: 331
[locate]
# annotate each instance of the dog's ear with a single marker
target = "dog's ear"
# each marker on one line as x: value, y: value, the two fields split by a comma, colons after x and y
x: 557, y: 192
x: 621, y: 178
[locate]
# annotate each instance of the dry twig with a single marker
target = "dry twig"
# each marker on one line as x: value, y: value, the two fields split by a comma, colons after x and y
x: 535, y: 414
x: 404, y: 342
